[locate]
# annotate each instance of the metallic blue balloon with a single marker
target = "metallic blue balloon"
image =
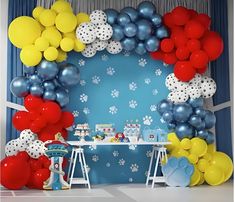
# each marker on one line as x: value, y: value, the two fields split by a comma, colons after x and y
x: 62, y: 97
x: 111, y: 15
x: 196, y: 102
x: 152, y: 44
x: 144, y: 29
x: 128, y: 44
x: 36, y: 90
x: 201, y: 126
x: 184, y: 130
x: 130, y: 30
x: 164, y: 106
x: 34, y: 78
x: 210, y: 137
x: 29, y: 70
x: 57, y: 83
x: 19, y: 86
x: 117, y: 32
x: 167, y: 116
x: 182, y: 112
x: 140, y: 48
x: 133, y: 14
x: 195, y: 120
x: 69, y: 75
x: 161, y: 32
x: 156, y: 19
x: 123, y: 19
x: 146, y: 9
x: 202, y: 134
x: 49, y: 95
x: 49, y: 85
x: 47, y: 70
x: 200, y: 112
x: 171, y: 126
x: 209, y: 119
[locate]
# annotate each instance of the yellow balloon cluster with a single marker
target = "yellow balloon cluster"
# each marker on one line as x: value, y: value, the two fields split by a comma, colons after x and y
x: 50, y: 33
x: 209, y: 165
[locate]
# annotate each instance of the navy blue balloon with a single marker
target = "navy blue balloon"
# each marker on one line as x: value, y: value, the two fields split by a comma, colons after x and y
x: 49, y: 95
x: 182, y: 112
x: 36, y: 90
x: 128, y: 44
x: 152, y: 44
x: 29, y: 70
x: 62, y: 97
x: 49, y: 85
x: 47, y: 70
x: 164, y: 106
x: 171, y: 126
x: 34, y: 78
x: 209, y: 119
x: 161, y: 32
x: 156, y: 19
x: 167, y: 116
x: 202, y: 134
x: 196, y: 102
x: 130, y: 30
x: 210, y: 137
x: 19, y: 86
x: 133, y: 13
x: 146, y: 9
x: 68, y: 75
x: 144, y: 29
x: 117, y: 32
x: 200, y: 112
x: 201, y: 126
x: 123, y: 19
x: 140, y: 48
x: 111, y: 15
x: 184, y: 130
x: 195, y: 120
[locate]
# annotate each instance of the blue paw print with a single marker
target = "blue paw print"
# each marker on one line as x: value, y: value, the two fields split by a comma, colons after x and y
x: 178, y: 172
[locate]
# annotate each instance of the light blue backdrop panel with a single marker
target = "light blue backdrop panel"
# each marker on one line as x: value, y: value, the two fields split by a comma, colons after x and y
x: 114, y: 89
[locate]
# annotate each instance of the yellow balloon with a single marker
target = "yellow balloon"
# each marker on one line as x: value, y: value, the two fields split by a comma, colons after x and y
x: 53, y: 36
x: 82, y: 17
x: 70, y: 35
x: 214, y: 175
x: 37, y: 11
x: 61, y: 56
x: 47, y: 18
x: 195, y: 178
x: 202, y: 179
x: 185, y: 143
x: 50, y: 53
x: 67, y: 44
x: 78, y: 45
x: 211, y: 148
x: 202, y: 165
x: 175, y: 143
x: 179, y: 153
x: 207, y: 156
x: 41, y: 43
x: 30, y: 56
x: 23, y: 31
x: 66, y: 22
x: 61, y: 6
x: 193, y: 158
x: 198, y: 147
x: 223, y: 161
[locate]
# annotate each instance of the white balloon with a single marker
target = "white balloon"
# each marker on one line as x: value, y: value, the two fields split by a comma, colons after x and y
x: 99, y: 45
x: 89, y: 51
x: 35, y: 149
x: 27, y: 136
x: 114, y: 47
x: 11, y: 148
x: 208, y: 87
x: 85, y: 32
x: 196, y: 80
x: 104, y: 31
x: 174, y: 84
x: 194, y: 91
x: 98, y: 16
x: 178, y: 97
x: 21, y: 145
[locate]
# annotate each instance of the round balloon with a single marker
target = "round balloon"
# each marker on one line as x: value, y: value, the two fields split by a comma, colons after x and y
x: 62, y: 97
x: 117, y: 32
x: 47, y: 70
x: 184, y: 130
x: 146, y: 9
x: 140, y: 48
x: 182, y: 112
x: 130, y: 30
x: 128, y: 44
x: 111, y: 15
x: 144, y: 29
x: 19, y: 86
x: 152, y: 44
x: 164, y: 106
x: 133, y: 14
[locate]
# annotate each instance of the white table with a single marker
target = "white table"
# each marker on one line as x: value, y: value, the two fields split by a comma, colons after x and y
x: 158, y: 151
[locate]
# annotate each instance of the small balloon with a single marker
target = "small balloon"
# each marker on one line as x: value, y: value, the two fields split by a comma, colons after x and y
x: 128, y: 44
x: 184, y: 130
x: 171, y: 126
x: 167, y: 116
x: 152, y: 44
x: 209, y: 119
x: 161, y: 32
x: 196, y: 102
x: 62, y: 97
x: 202, y: 134
x: 131, y: 12
x: 19, y: 86
x: 195, y: 120
x: 130, y: 30
x: 49, y: 95
x: 200, y: 126
x: 49, y: 85
x: 47, y: 70
x: 111, y: 15
x: 182, y: 112
x: 117, y: 32
x: 200, y: 112
x: 29, y: 70
x: 140, y: 48
x: 164, y: 106
x: 210, y: 137
x: 146, y: 9
x: 156, y: 19
x: 36, y: 90
x: 35, y: 79
x: 144, y: 29
x: 123, y: 19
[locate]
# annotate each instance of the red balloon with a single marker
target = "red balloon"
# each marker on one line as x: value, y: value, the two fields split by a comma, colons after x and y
x: 67, y: 119
x: 51, y: 112
x: 167, y: 45
x: 64, y: 134
x: 65, y: 163
x: 194, y: 29
x: 179, y: 37
x: 21, y: 120
x: 192, y: 13
x: 35, y: 164
x: 201, y: 70
x: 38, y: 124
x: 199, y: 59
x: 46, y: 162
x: 15, y: 172
x: 49, y: 132
x: 184, y: 71
x: 33, y: 114
x: 40, y: 176
x: 30, y: 184
x: 212, y: 44
x: 157, y: 55
x: 193, y: 45
x: 23, y: 155
x: 167, y: 20
x: 180, y: 15
x: 182, y: 53
x: 204, y: 19
x: 32, y: 102
x: 170, y: 58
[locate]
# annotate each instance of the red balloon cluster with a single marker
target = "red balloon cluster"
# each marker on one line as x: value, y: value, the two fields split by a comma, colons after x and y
x: 45, y: 118
x: 191, y: 44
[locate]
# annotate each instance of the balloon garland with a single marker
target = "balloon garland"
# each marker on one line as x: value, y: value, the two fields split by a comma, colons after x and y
x: 181, y: 38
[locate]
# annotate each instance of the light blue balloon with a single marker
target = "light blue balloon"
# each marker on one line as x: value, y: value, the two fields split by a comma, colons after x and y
x: 209, y: 119
x: 49, y: 85
x: 184, y: 130
x: 161, y: 32
x: 123, y: 19
x: 144, y: 29
x: 200, y: 112
x: 47, y: 70
x: 36, y: 90
x: 182, y: 112
x: 49, y: 95
x: 146, y: 9
x: 133, y: 13
x: 34, y: 78
x: 210, y: 137
x: 152, y: 44
x: 167, y: 116
x: 128, y: 44
x: 156, y: 19
x: 202, y: 134
x: 195, y: 120
x: 140, y: 48
x: 19, y: 86
x: 29, y: 70
x: 69, y: 75
x: 196, y: 102
x: 130, y: 30
x: 62, y: 97
x: 163, y: 106
x: 111, y: 15
x: 117, y: 32
x: 201, y: 126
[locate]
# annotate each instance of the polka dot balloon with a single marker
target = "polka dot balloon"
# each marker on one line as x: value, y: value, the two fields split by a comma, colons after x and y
x: 194, y: 91
x: 36, y: 149
x: 174, y: 84
x: 99, y: 45
x: 177, y: 97
x: 89, y: 51
x: 104, y: 31
x: 114, y: 47
x: 21, y: 145
x: 98, y: 16
x: 208, y: 87
x: 27, y: 136
x: 86, y: 32
x: 196, y: 80
x: 11, y: 148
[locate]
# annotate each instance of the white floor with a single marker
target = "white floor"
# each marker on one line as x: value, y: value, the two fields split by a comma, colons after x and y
x: 124, y: 193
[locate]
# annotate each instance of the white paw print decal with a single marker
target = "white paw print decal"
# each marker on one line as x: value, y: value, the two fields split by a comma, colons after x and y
x: 115, y: 93
x: 130, y: 179
x: 147, y: 120
x: 149, y: 154
x: 142, y: 62
x: 132, y: 147
x: 153, y: 108
x: 95, y: 158
x: 82, y: 82
x: 134, y: 168
x: 81, y: 62
x: 133, y: 104
x: 115, y: 153
x: 154, y: 92
x: 126, y: 53
x: 108, y: 164
x: 96, y: 80
x: 113, y: 110
x: 83, y: 97
x: 86, y: 110
x: 75, y: 113
x: 147, y: 81
x: 110, y: 71
x: 121, y: 162
x: 132, y: 86
x: 92, y: 147
x: 104, y: 57
x: 165, y: 65
x: 158, y: 72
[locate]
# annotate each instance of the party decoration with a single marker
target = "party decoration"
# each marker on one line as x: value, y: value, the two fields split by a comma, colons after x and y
x: 65, y: 22
x: 30, y: 55
x: 19, y: 86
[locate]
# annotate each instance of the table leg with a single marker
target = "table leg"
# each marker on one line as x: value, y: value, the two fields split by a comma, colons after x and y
x: 155, y: 170
x: 150, y: 166
x: 70, y: 164
x: 74, y: 165
x: 86, y: 171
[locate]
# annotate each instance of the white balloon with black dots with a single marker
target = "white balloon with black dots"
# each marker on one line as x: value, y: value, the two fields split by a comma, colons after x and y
x: 98, y: 16
x: 114, y: 47
x: 99, y: 45
x: 177, y: 97
x: 208, y: 87
x: 11, y: 148
x: 104, y: 31
x: 36, y: 149
x: 27, y: 136
x: 89, y: 51
x: 85, y: 32
x: 194, y: 91
x: 174, y: 84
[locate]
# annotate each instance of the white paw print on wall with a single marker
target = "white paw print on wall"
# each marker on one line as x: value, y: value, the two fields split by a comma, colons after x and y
x: 115, y: 153
x: 86, y: 110
x: 158, y: 72
x: 147, y: 120
x: 165, y: 65
x: 83, y: 97
x: 126, y: 53
x: 95, y: 158
x: 75, y: 113
x: 121, y: 162
x: 147, y: 81
x: 133, y: 104
x: 134, y: 168
x: 110, y: 71
x: 108, y: 164
x: 104, y: 57
x: 115, y: 93
x: 149, y: 154
x: 132, y: 147
x: 81, y: 62
x: 82, y: 82
x: 154, y: 92
x: 153, y: 108
x: 95, y: 79
x: 142, y: 62
x: 132, y: 86
x: 113, y: 110
x: 92, y: 147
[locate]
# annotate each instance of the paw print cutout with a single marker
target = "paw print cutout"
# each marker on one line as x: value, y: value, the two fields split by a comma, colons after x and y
x: 178, y: 172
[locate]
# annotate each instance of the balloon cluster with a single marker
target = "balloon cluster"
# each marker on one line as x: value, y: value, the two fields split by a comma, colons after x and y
x: 188, y: 119
x: 47, y: 80
x: 209, y: 165
x: 138, y: 30
x: 191, y: 45
x: 199, y: 86
x: 49, y: 34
